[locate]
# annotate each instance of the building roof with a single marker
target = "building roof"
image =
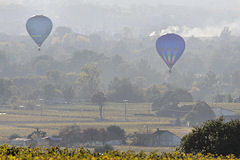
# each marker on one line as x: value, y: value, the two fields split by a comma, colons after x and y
x: 53, y: 138
x: 21, y: 139
x: 159, y: 132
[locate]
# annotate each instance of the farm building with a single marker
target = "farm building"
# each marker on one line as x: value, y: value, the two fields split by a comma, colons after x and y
x: 21, y: 142
x: 157, y: 139
x: 52, y: 140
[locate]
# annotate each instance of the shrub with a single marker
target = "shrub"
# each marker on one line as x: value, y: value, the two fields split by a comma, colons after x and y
x: 214, y: 136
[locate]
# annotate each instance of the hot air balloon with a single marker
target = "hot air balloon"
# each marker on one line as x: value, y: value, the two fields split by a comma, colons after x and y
x: 39, y: 27
x: 170, y: 47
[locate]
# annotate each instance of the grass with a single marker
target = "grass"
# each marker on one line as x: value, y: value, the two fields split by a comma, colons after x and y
x: 53, y: 118
x: 235, y: 107
x: 231, y: 106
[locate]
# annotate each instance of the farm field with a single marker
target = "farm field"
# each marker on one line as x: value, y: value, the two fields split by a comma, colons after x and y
x: 53, y: 118
x: 235, y: 107
x: 231, y: 106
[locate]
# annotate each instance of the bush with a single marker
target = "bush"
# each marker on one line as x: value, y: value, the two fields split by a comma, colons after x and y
x: 70, y: 135
x: 214, y: 136
x: 115, y: 133
x: 124, y: 89
x: 201, y: 113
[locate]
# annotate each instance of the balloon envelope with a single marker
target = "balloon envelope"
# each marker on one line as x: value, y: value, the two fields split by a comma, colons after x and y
x: 170, y: 47
x: 39, y: 27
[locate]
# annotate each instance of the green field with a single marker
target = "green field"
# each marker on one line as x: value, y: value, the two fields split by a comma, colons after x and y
x: 53, y: 118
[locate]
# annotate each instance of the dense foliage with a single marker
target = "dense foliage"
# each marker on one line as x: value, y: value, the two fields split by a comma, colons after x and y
x: 72, y: 67
x: 167, y: 104
x: 73, y: 135
x: 172, y: 97
x: 80, y: 58
x: 13, y: 153
x: 214, y: 136
x: 200, y: 113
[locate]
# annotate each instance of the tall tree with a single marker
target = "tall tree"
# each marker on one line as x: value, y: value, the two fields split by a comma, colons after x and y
x: 89, y: 80
x: 5, y: 90
x: 68, y: 93
x: 99, y: 99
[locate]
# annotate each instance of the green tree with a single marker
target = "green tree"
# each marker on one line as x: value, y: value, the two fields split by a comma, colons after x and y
x: 5, y: 90
x: 102, y: 135
x: 152, y: 93
x: 214, y: 136
x: 89, y: 80
x: 70, y: 135
x: 172, y: 97
x: 61, y: 31
x: 68, y: 93
x: 115, y: 133
x: 201, y: 112
x: 4, y: 60
x: 99, y: 99
x: 84, y: 57
x: 50, y: 92
x: 205, y: 86
x: 43, y: 63
x: 56, y: 78
x: 90, y: 135
x: 124, y: 89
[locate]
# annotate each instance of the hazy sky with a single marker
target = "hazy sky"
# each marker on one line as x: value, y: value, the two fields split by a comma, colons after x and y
x: 234, y: 4
x: 225, y: 12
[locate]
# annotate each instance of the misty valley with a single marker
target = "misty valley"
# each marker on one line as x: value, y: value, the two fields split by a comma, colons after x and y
x: 110, y: 80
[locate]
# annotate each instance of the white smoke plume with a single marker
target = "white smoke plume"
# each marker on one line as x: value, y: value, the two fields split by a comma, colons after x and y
x: 208, y: 31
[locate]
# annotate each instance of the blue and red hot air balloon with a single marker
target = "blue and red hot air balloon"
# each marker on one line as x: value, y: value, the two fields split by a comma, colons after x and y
x: 170, y: 47
x: 39, y: 27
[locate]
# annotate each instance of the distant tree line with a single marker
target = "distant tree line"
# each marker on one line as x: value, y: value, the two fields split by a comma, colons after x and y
x: 105, y: 60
